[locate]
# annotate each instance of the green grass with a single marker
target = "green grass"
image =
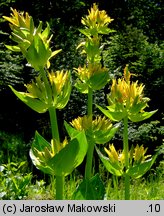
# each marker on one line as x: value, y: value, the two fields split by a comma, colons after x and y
x: 151, y: 188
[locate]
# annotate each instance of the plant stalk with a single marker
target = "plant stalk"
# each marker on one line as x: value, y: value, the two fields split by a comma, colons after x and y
x: 56, y: 149
x: 55, y: 133
x: 59, y: 187
x: 126, y: 152
x: 54, y: 129
x: 88, y: 167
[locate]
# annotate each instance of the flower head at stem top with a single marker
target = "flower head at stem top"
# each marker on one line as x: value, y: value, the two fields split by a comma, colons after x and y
x: 33, y: 42
x: 126, y: 99
x: 96, y: 20
x: 93, y: 75
x: 136, y: 156
x: 126, y: 92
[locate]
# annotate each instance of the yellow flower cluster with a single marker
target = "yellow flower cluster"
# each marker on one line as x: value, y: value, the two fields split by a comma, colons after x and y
x: 137, y: 154
x: 96, y: 18
x: 125, y: 92
x: 82, y: 123
x: 59, y: 79
x: 85, y: 73
x: 32, y: 42
x: 19, y: 19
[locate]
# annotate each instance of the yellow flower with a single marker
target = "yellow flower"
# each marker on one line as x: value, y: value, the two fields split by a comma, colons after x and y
x: 22, y: 26
x: 32, y: 42
x: 86, y: 73
x: 19, y: 19
x: 101, y: 123
x: 126, y: 92
x: 37, y: 89
x: 112, y: 153
x: 82, y: 123
x: 100, y: 129
x: 59, y: 79
x: 49, y: 152
x: 96, y: 18
x: 139, y: 154
x: 115, y: 156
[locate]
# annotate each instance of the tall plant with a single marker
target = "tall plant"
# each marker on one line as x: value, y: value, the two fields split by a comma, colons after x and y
x: 127, y: 102
x: 93, y: 76
x: 48, y: 92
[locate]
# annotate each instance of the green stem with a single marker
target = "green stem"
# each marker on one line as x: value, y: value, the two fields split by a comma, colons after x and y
x: 59, y: 187
x: 55, y: 132
x: 54, y: 128
x: 90, y: 101
x: 56, y: 149
x: 88, y: 167
x: 126, y: 152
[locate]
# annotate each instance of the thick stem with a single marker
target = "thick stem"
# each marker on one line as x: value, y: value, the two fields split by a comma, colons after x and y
x: 90, y: 102
x: 126, y: 152
x: 56, y: 149
x: 55, y: 133
x: 59, y: 187
x: 54, y: 129
x: 88, y: 167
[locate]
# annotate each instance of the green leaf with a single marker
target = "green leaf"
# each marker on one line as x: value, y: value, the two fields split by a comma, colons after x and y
x: 38, y: 53
x: 114, y: 116
x: 99, y: 80
x: 86, y: 32
x: 40, y: 143
x: 141, y: 116
x: 55, y: 52
x: 81, y: 87
x: 104, y: 136
x: 39, y: 159
x: 92, y: 189
x: 13, y: 48
x: 113, y: 168
x: 70, y: 156
x: 46, y: 32
x: 72, y: 132
x: 138, y: 171
x: 41, y: 165
x: 33, y: 103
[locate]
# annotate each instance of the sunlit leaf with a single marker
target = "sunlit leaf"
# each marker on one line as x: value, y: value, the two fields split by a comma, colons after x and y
x: 33, y: 103
x: 92, y: 189
x: 139, y: 170
x: 113, y: 168
x: 141, y: 116
x: 70, y: 156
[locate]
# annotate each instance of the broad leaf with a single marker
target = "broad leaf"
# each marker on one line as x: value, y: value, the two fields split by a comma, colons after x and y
x: 99, y: 80
x: 141, y: 116
x: 70, y: 156
x: 92, y: 189
x: 104, y: 136
x: 138, y: 171
x: 72, y: 132
x: 33, y: 103
x: 113, y: 168
x: 114, y: 116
